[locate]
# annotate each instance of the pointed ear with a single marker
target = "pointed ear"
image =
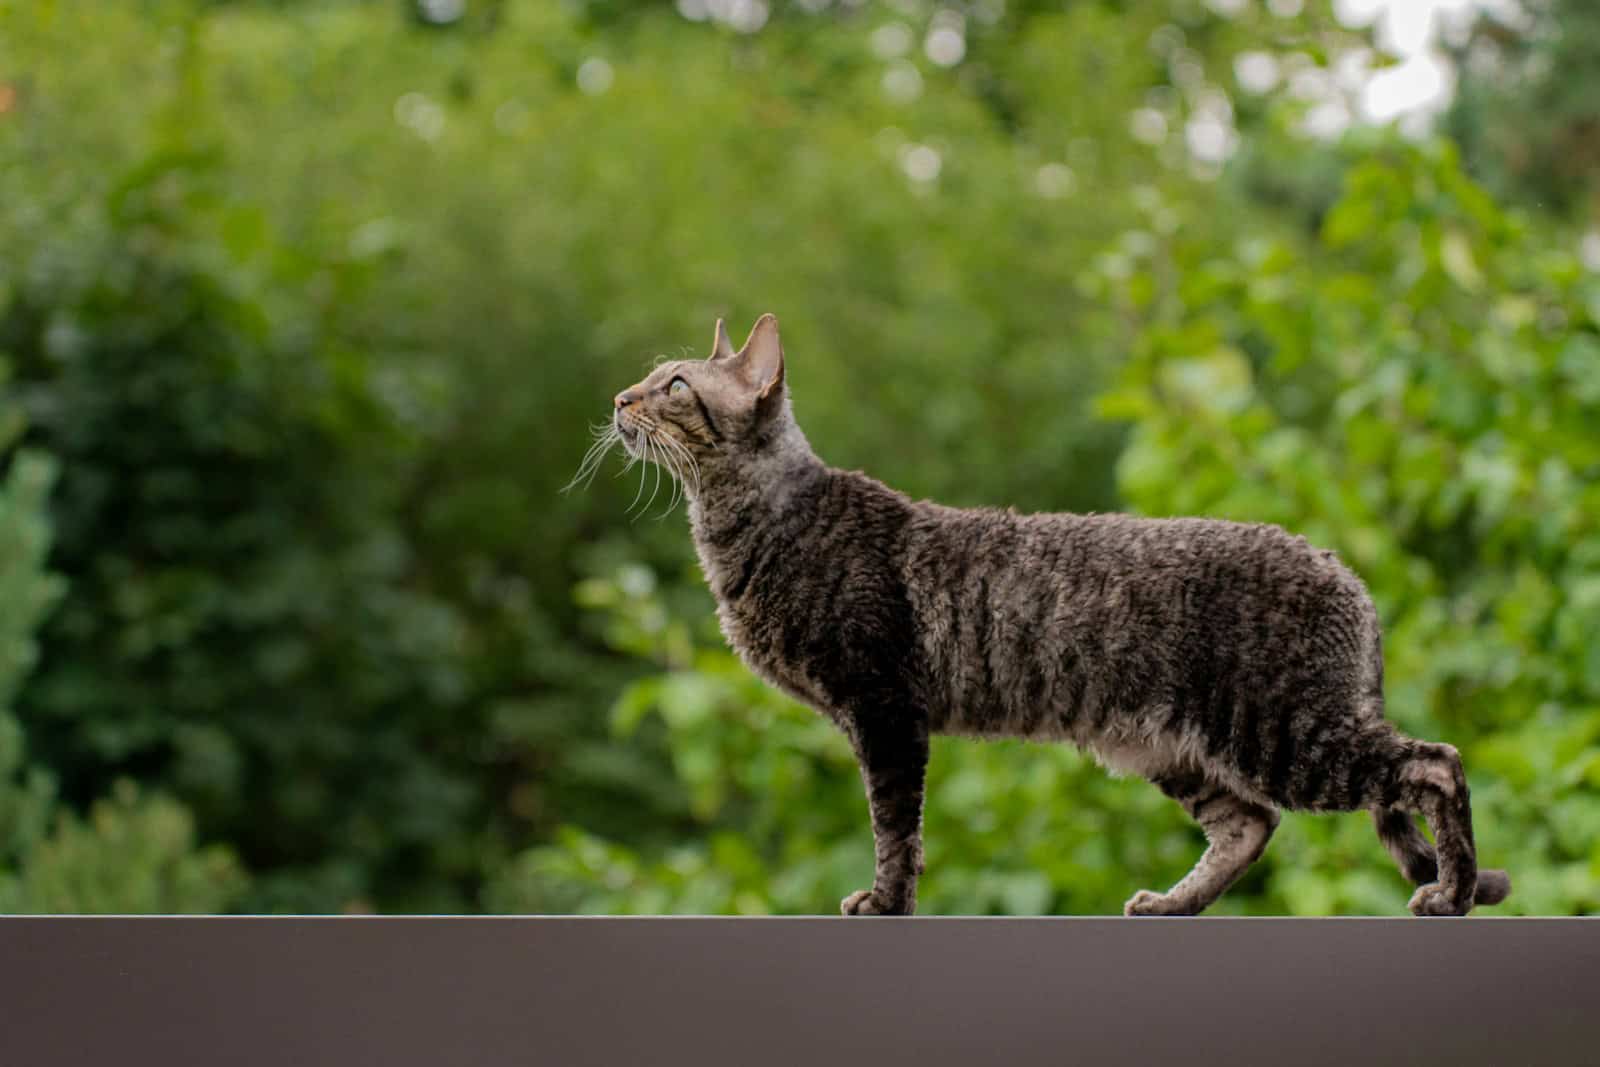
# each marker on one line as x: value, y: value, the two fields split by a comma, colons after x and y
x: 721, y: 347
x: 761, y: 358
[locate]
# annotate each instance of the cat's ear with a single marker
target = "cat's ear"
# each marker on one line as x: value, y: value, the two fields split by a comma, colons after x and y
x: 721, y: 347
x: 761, y: 358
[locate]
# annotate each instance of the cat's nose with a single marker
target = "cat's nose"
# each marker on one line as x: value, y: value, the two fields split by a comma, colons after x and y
x: 625, y: 398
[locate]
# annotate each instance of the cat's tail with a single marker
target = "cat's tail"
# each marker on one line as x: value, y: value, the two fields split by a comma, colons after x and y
x: 1418, y: 862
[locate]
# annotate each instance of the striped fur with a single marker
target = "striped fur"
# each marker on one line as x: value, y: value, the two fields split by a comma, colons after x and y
x: 1236, y: 666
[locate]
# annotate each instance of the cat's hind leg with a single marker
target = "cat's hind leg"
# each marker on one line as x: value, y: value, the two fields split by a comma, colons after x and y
x: 1419, y: 864
x: 1427, y: 780
x: 1237, y: 830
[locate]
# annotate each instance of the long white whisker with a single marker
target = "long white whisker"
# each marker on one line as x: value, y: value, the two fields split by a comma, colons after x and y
x: 655, y: 459
x: 643, y: 472
x: 651, y: 456
x: 685, y: 469
x: 655, y: 447
x: 596, y: 449
x: 593, y: 458
x: 688, y: 475
x: 694, y: 469
x: 679, y: 448
x: 683, y: 482
x: 676, y: 480
x: 632, y: 459
x: 663, y: 459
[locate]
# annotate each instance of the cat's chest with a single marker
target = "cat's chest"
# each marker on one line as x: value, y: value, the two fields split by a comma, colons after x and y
x: 776, y: 612
x: 759, y: 644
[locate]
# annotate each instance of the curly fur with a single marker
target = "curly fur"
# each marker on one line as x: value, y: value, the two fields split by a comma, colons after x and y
x: 1235, y: 665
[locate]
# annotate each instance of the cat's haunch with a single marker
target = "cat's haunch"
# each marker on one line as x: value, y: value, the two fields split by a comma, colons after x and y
x: 1234, y: 665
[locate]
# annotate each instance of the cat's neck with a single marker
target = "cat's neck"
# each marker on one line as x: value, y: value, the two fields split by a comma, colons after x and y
x: 762, y: 484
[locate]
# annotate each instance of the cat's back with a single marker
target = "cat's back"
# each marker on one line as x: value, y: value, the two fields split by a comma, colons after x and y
x: 1126, y: 562
x: 1029, y: 621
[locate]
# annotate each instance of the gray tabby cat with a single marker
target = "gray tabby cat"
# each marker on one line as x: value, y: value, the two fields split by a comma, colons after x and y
x: 1235, y: 666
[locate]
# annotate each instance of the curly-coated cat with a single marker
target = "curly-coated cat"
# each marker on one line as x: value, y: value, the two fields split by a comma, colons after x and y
x: 1236, y: 666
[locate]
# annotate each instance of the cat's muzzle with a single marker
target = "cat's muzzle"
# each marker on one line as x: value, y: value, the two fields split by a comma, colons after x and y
x: 631, y: 434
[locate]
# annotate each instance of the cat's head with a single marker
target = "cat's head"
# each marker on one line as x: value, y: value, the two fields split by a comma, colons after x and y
x: 695, y: 416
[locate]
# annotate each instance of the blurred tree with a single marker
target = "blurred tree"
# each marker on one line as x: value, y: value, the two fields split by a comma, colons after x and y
x: 242, y: 615
x: 133, y: 854
x: 27, y: 593
x: 1526, y: 111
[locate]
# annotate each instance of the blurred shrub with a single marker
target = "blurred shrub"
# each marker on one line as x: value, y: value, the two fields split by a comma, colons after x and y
x: 27, y: 592
x: 244, y: 622
x: 1526, y: 111
x: 133, y: 854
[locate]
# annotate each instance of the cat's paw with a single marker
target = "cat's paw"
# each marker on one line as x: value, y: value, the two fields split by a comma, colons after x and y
x: 871, y: 902
x: 1149, y: 902
x: 1434, y: 899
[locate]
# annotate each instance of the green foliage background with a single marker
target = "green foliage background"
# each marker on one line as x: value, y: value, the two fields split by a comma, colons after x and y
x: 305, y: 309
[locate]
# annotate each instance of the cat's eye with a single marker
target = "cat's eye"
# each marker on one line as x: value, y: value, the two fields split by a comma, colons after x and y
x: 678, y: 387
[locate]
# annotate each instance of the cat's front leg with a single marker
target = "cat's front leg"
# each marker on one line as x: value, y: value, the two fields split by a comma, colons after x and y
x: 893, y: 753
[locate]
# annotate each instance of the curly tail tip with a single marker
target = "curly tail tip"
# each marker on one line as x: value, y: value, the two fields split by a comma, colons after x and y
x: 1494, y: 885
x: 1417, y: 861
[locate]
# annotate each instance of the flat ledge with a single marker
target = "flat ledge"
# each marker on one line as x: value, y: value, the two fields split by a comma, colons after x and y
x: 576, y: 991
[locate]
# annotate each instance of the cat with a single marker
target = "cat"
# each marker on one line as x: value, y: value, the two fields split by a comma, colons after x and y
x: 1235, y: 666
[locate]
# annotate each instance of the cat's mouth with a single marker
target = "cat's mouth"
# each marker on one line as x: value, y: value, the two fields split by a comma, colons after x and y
x: 629, y: 433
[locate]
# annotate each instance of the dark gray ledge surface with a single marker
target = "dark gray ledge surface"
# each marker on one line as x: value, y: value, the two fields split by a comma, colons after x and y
x: 350, y: 992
